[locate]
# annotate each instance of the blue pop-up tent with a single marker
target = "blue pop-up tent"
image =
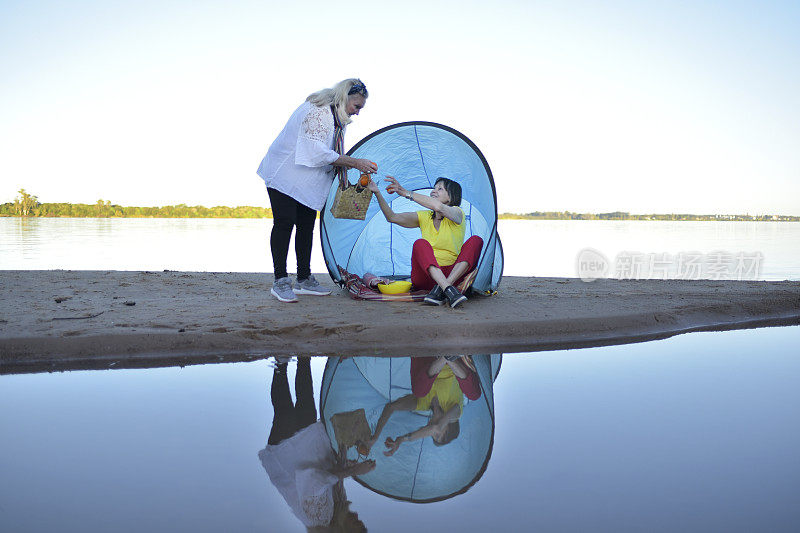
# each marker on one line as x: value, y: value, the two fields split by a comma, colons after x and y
x: 419, y: 471
x: 416, y: 153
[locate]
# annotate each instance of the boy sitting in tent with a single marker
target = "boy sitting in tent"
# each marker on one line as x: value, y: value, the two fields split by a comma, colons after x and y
x: 438, y: 260
x: 438, y: 384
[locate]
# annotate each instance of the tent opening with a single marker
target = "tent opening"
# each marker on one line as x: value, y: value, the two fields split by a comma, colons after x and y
x: 416, y: 153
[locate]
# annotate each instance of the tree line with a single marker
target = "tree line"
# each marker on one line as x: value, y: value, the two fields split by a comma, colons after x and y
x: 28, y: 205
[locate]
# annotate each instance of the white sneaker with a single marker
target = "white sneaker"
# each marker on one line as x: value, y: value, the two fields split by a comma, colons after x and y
x: 312, y: 287
x: 282, y: 290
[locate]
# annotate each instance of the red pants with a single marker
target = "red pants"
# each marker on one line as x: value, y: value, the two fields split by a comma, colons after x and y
x: 422, y: 258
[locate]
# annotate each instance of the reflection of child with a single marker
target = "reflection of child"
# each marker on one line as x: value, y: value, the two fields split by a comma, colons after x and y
x: 298, y: 457
x: 447, y: 379
x: 439, y: 385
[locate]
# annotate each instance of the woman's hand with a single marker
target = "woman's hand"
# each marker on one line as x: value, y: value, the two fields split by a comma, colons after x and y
x: 359, y: 469
x: 365, y: 165
x: 363, y: 447
x: 394, y: 186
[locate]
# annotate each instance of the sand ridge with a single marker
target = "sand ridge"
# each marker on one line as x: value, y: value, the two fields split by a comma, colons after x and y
x: 57, y: 319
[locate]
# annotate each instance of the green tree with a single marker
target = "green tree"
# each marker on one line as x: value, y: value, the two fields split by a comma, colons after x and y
x: 25, y: 203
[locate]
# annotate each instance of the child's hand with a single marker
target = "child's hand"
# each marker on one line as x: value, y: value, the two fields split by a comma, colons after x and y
x: 391, y: 445
x: 373, y: 186
x: 395, y: 187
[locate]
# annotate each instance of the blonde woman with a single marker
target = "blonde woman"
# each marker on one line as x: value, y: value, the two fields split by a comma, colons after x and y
x: 298, y: 170
x: 298, y: 458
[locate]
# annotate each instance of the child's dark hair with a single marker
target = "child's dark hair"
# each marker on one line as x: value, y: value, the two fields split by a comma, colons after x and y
x: 453, y: 191
x: 452, y: 431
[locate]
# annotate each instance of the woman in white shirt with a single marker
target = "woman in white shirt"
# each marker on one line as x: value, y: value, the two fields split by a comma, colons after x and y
x: 299, y: 459
x: 299, y: 168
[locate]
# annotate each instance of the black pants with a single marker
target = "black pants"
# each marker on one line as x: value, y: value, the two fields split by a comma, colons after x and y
x: 288, y: 213
x: 288, y: 418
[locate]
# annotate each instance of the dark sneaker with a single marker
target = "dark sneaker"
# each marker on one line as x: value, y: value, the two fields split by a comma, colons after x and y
x: 435, y: 297
x: 453, y: 296
x: 311, y: 286
x: 282, y: 290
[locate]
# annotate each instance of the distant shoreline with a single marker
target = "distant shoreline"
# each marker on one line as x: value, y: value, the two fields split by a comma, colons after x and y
x: 107, y: 210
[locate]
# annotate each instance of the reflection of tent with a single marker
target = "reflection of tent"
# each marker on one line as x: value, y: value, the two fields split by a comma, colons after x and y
x: 416, y: 153
x: 419, y: 471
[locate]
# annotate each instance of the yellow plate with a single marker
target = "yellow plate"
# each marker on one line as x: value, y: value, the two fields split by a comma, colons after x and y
x: 395, y: 287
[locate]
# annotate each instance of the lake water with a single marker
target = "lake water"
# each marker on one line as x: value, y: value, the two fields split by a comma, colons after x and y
x: 695, y: 433
x: 532, y: 248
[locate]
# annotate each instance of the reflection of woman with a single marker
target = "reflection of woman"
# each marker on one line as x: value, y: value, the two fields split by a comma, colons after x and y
x: 299, y: 460
x: 438, y: 260
x: 438, y: 384
x: 298, y: 172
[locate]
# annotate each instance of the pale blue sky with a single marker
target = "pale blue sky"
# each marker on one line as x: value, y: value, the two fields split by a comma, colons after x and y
x: 581, y: 106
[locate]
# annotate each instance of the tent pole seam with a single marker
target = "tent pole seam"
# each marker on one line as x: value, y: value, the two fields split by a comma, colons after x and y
x: 422, y: 157
x: 419, y: 460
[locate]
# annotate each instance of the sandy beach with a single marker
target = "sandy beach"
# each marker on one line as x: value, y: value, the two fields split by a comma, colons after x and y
x: 60, y: 320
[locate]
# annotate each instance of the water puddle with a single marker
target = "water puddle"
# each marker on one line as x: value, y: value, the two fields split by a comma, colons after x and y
x: 695, y: 433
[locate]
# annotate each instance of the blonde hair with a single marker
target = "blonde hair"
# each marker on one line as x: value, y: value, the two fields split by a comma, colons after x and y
x: 337, y: 96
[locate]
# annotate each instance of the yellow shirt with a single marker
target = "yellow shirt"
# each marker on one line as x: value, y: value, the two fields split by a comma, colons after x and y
x: 447, y: 241
x: 446, y: 389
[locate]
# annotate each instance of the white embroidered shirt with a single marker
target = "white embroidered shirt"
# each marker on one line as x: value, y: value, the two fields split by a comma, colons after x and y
x: 298, y: 163
x: 299, y: 467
